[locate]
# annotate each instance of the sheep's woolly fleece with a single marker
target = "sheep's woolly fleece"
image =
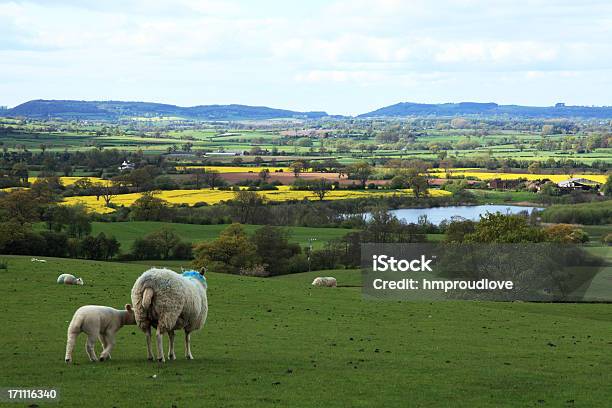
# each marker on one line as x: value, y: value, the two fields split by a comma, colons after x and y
x: 178, y: 302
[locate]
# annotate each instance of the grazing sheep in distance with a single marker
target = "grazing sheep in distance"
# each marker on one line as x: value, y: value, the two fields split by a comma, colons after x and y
x: 38, y: 260
x: 170, y: 301
x: 68, y: 279
x: 101, y: 322
x: 327, y: 281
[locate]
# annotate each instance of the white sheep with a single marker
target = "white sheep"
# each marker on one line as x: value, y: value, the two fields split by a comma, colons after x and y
x: 169, y: 301
x: 325, y: 281
x: 98, y: 322
x: 68, y: 279
x: 38, y: 260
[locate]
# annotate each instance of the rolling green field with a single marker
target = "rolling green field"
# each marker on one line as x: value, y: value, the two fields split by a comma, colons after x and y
x: 158, y: 138
x: 280, y: 342
x: 127, y: 232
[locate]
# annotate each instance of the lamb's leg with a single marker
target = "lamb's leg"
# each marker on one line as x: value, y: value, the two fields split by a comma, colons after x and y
x: 90, y: 347
x: 160, y: 345
x: 149, y: 348
x: 188, y: 354
x: 72, y: 336
x: 108, y: 341
x: 171, y: 354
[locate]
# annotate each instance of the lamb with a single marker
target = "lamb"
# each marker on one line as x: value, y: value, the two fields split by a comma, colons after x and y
x: 325, y: 281
x: 170, y: 301
x: 38, y: 260
x: 101, y: 322
x: 68, y: 279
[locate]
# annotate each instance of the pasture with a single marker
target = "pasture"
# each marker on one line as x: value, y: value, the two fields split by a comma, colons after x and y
x: 280, y: 342
x: 127, y: 232
x: 161, y: 137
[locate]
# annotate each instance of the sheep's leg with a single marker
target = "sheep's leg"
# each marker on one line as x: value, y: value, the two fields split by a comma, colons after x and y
x: 160, y: 345
x: 90, y: 347
x: 188, y: 354
x: 171, y: 354
x: 72, y: 336
x: 149, y: 348
x: 109, y: 342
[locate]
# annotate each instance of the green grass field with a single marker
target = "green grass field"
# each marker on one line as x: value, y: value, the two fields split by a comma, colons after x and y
x: 279, y: 342
x: 127, y: 232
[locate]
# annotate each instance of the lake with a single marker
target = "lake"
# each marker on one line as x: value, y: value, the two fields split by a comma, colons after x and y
x: 470, y: 212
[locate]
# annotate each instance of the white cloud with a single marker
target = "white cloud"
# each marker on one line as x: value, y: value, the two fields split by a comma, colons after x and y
x: 240, y: 50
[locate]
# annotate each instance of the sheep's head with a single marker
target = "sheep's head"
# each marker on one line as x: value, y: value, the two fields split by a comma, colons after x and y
x: 129, y: 316
x: 79, y: 281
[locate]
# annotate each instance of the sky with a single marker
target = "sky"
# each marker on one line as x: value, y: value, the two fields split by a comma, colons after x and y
x: 340, y: 56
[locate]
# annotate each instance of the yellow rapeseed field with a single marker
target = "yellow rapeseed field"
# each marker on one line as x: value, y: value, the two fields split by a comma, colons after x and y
x: 210, y: 196
x: 236, y: 169
x: 482, y: 175
x: 67, y: 181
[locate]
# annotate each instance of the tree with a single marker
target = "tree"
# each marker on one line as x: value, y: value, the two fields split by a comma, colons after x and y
x: 418, y: 184
x: 548, y: 129
x: 385, y: 227
x: 212, y: 178
x: 534, y: 167
x: 108, y: 246
x: 320, y: 188
x: 607, y: 187
x: 457, y: 230
x: 565, y: 234
x: 108, y: 191
x: 229, y: 253
x: 297, y: 167
x: 198, y: 176
x: 19, y: 206
x: 73, y: 219
x: 144, y: 249
x: 142, y: 178
x: 47, y: 189
x: 500, y: 228
x: 398, y: 182
x: 264, y: 175
x: 83, y: 184
x: 149, y: 208
x: 459, y: 123
x: 20, y: 171
x: 164, y: 239
x: 360, y: 171
x: 273, y: 247
x: 247, y: 204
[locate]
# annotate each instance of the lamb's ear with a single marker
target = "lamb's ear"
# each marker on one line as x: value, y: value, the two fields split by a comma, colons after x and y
x: 128, y: 307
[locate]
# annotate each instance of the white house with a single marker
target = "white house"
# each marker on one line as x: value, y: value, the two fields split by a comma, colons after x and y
x: 126, y: 165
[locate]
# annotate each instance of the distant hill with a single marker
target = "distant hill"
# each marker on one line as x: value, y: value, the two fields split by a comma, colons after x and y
x: 489, y: 109
x: 113, y: 110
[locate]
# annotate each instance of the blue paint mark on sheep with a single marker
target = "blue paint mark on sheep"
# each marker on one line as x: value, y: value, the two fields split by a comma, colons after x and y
x: 195, y: 275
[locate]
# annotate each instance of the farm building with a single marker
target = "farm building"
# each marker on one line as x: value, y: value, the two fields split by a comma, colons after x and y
x: 536, y: 185
x: 126, y: 165
x: 577, y: 183
x: 504, y: 184
x: 220, y: 154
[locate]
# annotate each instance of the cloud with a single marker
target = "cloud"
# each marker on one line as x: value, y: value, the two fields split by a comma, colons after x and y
x: 403, y: 47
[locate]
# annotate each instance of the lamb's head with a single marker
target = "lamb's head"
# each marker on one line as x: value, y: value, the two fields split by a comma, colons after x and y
x: 79, y: 281
x: 129, y: 316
